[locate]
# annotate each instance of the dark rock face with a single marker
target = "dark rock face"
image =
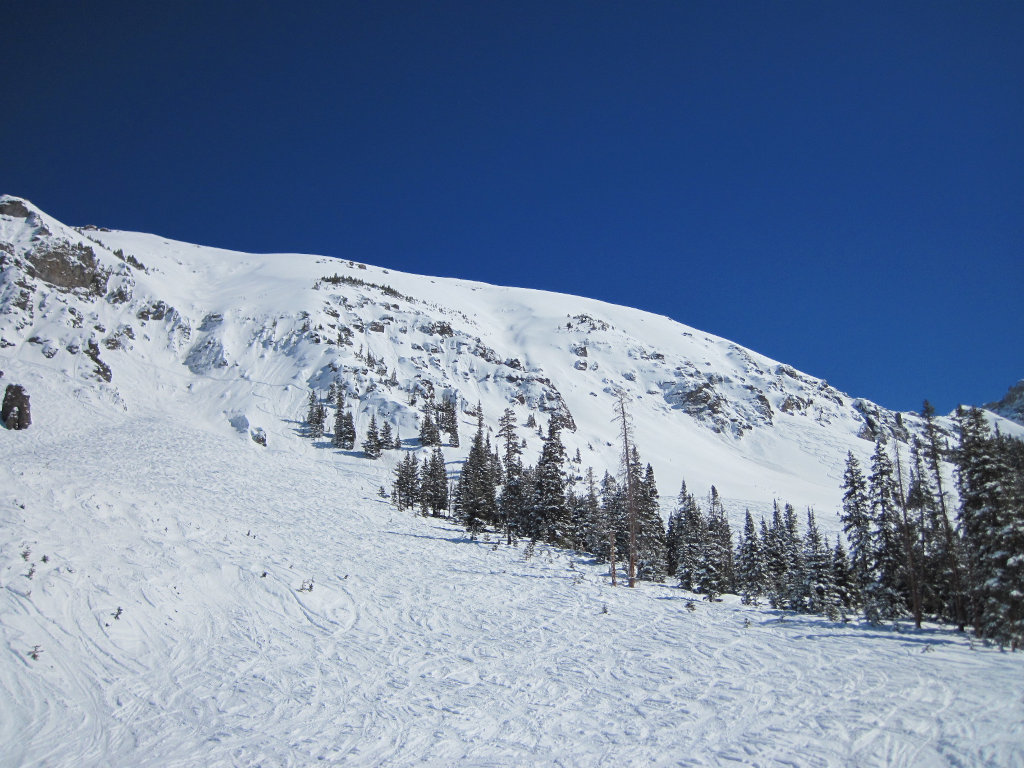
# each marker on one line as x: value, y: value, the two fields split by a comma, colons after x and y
x: 68, y: 266
x: 15, y: 412
x: 15, y: 208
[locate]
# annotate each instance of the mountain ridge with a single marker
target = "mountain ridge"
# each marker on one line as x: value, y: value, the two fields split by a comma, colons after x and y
x: 106, y: 304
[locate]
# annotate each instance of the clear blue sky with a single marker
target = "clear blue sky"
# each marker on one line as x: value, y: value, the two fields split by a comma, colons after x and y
x: 839, y: 186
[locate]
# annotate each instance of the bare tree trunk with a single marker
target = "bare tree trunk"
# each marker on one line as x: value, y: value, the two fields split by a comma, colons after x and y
x: 623, y: 418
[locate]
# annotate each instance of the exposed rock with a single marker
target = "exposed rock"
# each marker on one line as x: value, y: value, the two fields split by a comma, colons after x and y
x: 1012, y: 405
x: 67, y: 265
x: 16, y: 413
x: 14, y: 207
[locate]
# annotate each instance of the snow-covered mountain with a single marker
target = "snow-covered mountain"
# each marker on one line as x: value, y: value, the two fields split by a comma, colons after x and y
x: 239, y: 339
x: 1012, y: 405
x: 172, y: 593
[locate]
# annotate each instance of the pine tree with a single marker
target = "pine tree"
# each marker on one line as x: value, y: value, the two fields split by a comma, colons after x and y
x: 652, y: 563
x: 992, y: 520
x: 315, y: 417
x: 750, y: 568
x: 551, y: 513
x: 951, y: 554
x: 429, y: 434
x: 348, y: 439
x: 693, y: 540
x: 510, y: 442
x: 819, y: 586
x: 856, y: 518
x: 715, y: 569
x: 434, y: 487
x: 886, y: 592
x: 594, y: 533
x: 476, y: 488
x: 842, y: 578
x: 372, y: 444
x: 338, y: 438
x: 406, y: 489
x: 387, y: 440
x: 610, y: 519
x: 447, y: 421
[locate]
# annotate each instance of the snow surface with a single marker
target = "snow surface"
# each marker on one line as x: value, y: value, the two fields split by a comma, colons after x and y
x: 415, y: 645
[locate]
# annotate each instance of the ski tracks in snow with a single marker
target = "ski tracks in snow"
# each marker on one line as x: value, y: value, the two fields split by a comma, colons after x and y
x: 276, y: 612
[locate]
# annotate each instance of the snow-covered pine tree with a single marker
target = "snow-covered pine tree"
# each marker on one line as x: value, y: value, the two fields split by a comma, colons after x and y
x: 774, y: 545
x: 348, y: 441
x: 476, y: 489
x: 372, y: 445
x: 715, y: 570
x: 750, y: 570
x: 693, y: 540
x: 819, y: 587
x: 992, y: 520
x: 856, y: 519
x: 429, y: 434
x: 551, y: 513
x: 886, y: 597
x: 406, y: 488
x: 338, y: 437
x: 315, y: 416
x: 952, y: 568
x: 652, y: 562
x: 434, y: 484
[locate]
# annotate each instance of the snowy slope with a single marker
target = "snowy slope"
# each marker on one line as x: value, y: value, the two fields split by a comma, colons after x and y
x: 138, y: 488
x: 242, y: 337
x: 415, y: 645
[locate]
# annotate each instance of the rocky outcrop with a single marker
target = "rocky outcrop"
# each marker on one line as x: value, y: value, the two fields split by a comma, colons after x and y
x: 16, y: 413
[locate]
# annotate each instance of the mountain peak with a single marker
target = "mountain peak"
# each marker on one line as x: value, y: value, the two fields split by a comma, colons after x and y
x: 1012, y: 405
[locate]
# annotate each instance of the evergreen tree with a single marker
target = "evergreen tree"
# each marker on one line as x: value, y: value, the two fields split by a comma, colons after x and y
x: 693, y: 540
x: 886, y: 593
x: 715, y: 566
x: 429, y: 434
x: 316, y: 415
x: 348, y: 439
x: 611, y: 522
x: 510, y: 443
x: 751, y: 578
x: 953, y: 580
x: 476, y: 487
x: 406, y: 489
x: 819, y: 593
x: 992, y: 520
x: 842, y: 577
x: 856, y: 518
x: 372, y: 445
x: 774, y: 546
x: 447, y: 421
x: 594, y: 533
x: 551, y: 513
x: 652, y: 562
x: 434, y: 488
x: 338, y: 438
x: 387, y: 440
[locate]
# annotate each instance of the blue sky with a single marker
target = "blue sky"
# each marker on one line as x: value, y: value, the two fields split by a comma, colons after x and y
x: 837, y: 186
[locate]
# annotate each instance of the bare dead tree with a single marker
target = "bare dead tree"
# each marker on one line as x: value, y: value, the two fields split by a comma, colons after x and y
x: 625, y: 423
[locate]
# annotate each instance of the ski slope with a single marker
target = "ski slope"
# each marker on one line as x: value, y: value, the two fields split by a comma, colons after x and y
x: 415, y: 645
